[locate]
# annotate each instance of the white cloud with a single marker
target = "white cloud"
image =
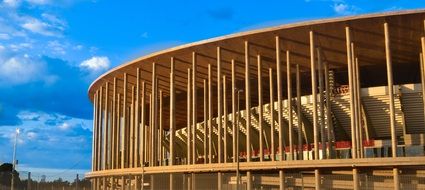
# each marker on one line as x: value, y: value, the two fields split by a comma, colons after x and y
x: 20, y: 46
x: 54, y: 20
x: 96, y: 64
x: 16, y: 3
x: 57, y: 47
x: 342, y: 8
x: 4, y: 36
x: 31, y: 135
x: 49, y: 25
x: 11, y: 134
x: 27, y: 115
x: 38, y: 2
x: 39, y: 27
x: 78, y: 47
x: 64, y: 126
x: 12, y: 3
x: 394, y: 8
x: 8, y: 30
x: 17, y: 70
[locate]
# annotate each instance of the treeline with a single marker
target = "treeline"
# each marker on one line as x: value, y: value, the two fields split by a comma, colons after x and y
x: 25, y: 184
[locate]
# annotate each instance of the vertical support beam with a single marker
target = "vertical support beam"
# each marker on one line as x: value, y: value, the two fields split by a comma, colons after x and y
x: 154, y: 126
x: 152, y: 181
x: 290, y: 116
x: 97, y: 183
x: 100, y: 139
x: 137, y: 182
x: 360, y: 150
x: 124, y: 124
x: 321, y: 104
x: 260, y: 107
x: 143, y: 128
x: 193, y: 179
x: 315, y: 119
x: 188, y: 144
x: 300, y: 124
x: 248, y: 180
x: 329, y: 121
x: 209, y: 114
x: 314, y: 95
x: 150, y: 131
x: 119, y: 128
x: 194, y: 107
x: 161, y: 130
x: 110, y: 129
x: 219, y: 181
x: 134, y: 126
x: 92, y: 180
x: 97, y: 131
x: 279, y: 99
x: 247, y: 104
x: 94, y: 140
x: 317, y: 179
x: 137, y: 120
x: 219, y: 108
x: 225, y: 120
x: 356, y: 110
x: 143, y: 134
x: 189, y: 179
x: 391, y: 98
x: 422, y: 62
x: 106, y: 128
x: 272, y: 125
x: 281, y: 180
x: 132, y: 136
x: 114, y: 125
x: 234, y: 132
x: 356, y: 179
x: 390, y: 90
x: 205, y: 121
x: 351, y: 90
x: 113, y: 183
x: 172, y: 115
x: 171, y: 182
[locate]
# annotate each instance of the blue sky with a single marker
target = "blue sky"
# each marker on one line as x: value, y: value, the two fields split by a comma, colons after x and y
x: 51, y: 50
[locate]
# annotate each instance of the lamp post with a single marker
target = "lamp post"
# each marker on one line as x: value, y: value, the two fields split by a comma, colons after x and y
x: 12, y: 183
x: 237, y: 140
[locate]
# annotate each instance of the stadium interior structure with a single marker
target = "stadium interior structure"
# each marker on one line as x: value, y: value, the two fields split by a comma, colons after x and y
x: 326, y: 104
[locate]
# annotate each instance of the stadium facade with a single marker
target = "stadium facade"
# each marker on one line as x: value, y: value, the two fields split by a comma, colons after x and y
x: 325, y: 104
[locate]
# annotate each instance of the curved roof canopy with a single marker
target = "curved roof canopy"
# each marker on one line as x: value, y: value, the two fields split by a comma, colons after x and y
x: 406, y: 28
x: 367, y: 34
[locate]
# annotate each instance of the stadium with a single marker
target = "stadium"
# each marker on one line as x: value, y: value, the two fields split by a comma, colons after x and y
x: 325, y: 104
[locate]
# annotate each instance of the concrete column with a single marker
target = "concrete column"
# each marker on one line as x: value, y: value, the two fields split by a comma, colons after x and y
x: 391, y: 99
x: 272, y: 125
x: 260, y: 107
x: 279, y: 99
x: 219, y: 107
x: 290, y: 117
x: 247, y: 104
x: 172, y: 116
x: 188, y: 128
x: 194, y: 107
